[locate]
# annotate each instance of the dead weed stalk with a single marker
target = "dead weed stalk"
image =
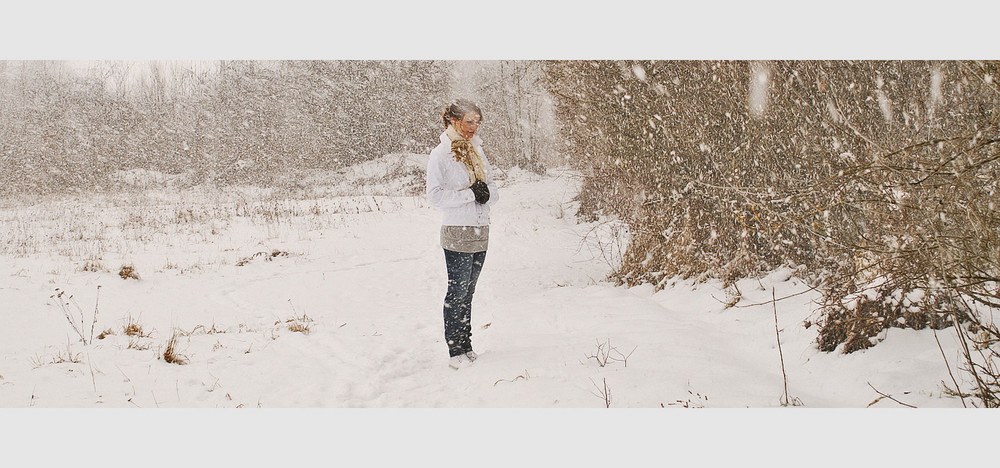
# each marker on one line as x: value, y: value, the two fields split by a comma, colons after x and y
x: 72, y: 311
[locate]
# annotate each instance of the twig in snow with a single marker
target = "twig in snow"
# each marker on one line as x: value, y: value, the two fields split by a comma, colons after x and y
x: 603, y: 354
x: 811, y: 289
x: 784, y: 375
x: 777, y: 338
x: 604, y: 394
x: 92, y: 377
x: 524, y: 376
x: 948, y: 366
x: 887, y: 396
x: 93, y: 322
x: 624, y: 357
x: 128, y: 379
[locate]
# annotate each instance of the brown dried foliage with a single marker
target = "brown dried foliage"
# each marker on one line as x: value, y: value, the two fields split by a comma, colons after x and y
x: 859, y: 170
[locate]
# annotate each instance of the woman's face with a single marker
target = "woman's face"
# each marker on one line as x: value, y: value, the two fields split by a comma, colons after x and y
x: 467, y: 125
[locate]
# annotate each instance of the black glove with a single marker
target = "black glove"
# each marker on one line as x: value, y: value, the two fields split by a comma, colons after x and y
x: 482, y: 191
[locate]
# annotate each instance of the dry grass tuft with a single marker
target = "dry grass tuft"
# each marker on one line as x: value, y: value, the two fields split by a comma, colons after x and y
x: 203, y: 330
x: 265, y: 255
x: 135, y: 343
x: 127, y: 272
x: 694, y: 400
x: 301, y: 324
x: 59, y: 358
x: 170, y: 354
x: 133, y: 328
x: 93, y: 266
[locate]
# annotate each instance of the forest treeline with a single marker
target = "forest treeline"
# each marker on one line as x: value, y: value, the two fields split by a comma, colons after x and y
x: 877, y: 179
x: 70, y: 128
x: 240, y: 121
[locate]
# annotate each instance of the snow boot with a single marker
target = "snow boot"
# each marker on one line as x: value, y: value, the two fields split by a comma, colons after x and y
x: 458, y: 362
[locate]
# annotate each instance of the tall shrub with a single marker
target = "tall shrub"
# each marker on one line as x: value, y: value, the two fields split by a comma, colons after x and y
x: 879, y: 177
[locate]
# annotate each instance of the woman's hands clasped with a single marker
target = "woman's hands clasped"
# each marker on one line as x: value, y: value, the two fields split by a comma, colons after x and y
x: 482, y: 191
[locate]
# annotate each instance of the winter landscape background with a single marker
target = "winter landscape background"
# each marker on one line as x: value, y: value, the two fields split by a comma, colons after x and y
x: 236, y: 227
x: 263, y: 202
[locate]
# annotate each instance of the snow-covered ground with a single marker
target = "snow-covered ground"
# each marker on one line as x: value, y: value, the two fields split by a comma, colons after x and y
x: 329, y: 296
x: 319, y: 298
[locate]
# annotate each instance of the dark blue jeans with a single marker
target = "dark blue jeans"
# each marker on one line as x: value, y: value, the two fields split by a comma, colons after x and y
x: 463, y: 272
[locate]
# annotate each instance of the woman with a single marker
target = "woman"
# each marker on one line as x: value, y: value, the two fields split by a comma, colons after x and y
x: 460, y: 184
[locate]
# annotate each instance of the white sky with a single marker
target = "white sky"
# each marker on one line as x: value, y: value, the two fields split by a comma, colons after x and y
x: 473, y: 29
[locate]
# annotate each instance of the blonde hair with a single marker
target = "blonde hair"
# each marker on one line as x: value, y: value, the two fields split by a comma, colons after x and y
x: 458, y: 109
